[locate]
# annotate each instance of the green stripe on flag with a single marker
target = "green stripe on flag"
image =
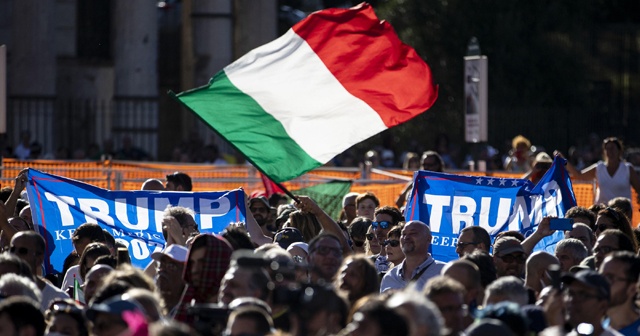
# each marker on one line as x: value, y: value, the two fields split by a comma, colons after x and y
x: 241, y: 120
x: 328, y: 195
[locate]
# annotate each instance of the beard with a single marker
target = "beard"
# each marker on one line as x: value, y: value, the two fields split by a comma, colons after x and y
x: 261, y: 221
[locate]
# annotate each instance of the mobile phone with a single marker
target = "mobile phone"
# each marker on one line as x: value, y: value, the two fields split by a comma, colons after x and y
x: 554, y: 273
x: 564, y: 224
x: 123, y: 256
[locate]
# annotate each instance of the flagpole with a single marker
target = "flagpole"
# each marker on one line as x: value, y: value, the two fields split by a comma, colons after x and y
x: 286, y: 191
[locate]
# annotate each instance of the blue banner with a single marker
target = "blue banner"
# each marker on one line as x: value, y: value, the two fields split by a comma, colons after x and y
x: 448, y: 203
x: 59, y: 205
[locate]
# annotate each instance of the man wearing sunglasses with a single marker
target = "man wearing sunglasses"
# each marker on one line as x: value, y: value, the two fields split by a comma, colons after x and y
x: 509, y: 257
x: 30, y: 247
x: 386, y: 218
x: 473, y: 238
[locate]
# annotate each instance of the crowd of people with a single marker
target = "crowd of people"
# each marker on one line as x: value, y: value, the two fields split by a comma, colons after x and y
x: 518, y: 154
x: 291, y: 269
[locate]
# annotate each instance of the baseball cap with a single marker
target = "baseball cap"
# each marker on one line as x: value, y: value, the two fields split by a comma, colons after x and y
x: 590, y: 278
x: 173, y: 251
x: 287, y: 236
x: 507, y: 245
x: 260, y: 199
x: 283, y: 215
x: 115, y: 305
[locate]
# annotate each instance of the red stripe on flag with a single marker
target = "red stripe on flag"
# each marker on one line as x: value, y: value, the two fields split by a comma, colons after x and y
x: 370, y: 61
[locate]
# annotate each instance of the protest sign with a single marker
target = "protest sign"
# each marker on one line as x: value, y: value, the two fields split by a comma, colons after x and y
x: 448, y: 203
x: 59, y: 205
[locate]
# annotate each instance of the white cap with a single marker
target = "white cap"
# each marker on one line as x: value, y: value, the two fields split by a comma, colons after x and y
x: 301, y: 245
x: 173, y: 251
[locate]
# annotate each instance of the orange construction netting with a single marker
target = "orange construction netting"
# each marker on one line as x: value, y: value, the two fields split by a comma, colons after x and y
x: 127, y: 175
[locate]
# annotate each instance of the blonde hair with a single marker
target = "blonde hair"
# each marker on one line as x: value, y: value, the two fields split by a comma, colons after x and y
x: 307, y: 223
x: 520, y: 139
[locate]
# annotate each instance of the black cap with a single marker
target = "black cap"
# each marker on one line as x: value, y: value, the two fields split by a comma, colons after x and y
x: 592, y: 279
x: 287, y: 236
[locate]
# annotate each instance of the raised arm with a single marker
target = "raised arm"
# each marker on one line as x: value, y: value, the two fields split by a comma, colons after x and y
x: 307, y: 204
x: 256, y: 233
x: 18, y: 187
x: 542, y: 231
x: 588, y: 173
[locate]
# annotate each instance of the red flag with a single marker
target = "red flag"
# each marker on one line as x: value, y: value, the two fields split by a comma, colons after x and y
x: 270, y: 187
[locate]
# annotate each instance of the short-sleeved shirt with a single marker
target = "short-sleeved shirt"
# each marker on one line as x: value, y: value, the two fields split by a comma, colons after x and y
x: 425, y: 271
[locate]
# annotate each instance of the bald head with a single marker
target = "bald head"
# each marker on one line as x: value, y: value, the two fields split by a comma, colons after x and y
x: 152, y: 184
x: 415, y: 238
x: 537, y: 265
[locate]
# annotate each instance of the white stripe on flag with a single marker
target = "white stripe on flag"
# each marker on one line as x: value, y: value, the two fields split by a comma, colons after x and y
x: 299, y: 91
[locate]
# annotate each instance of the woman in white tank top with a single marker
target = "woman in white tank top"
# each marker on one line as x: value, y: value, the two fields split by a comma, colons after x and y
x: 614, y: 176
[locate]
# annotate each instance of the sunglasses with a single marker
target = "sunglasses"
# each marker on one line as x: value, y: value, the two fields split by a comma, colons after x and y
x: 369, y: 236
x: 383, y: 225
x: 325, y: 250
x: 391, y: 242
x: 510, y: 258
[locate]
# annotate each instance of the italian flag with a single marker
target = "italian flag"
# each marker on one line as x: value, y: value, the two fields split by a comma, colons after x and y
x: 335, y: 79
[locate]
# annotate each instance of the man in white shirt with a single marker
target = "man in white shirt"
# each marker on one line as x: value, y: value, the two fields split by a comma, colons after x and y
x: 418, y: 265
x: 30, y: 247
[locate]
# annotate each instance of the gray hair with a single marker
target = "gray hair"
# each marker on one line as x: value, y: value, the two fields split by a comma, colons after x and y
x: 425, y: 312
x: 510, y: 288
x: 574, y: 246
x: 181, y: 214
x: 17, y: 285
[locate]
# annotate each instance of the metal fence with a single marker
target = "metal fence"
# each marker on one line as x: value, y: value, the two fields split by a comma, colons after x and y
x: 68, y: 125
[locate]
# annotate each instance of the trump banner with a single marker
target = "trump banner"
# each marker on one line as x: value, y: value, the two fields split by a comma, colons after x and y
x: 59, y: 205
x: 448, y: 203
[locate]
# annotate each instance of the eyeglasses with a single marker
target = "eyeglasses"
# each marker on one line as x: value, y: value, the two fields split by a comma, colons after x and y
x: 382, y: 224
x: 462, y: 245
x: 391, y: 242
x: 325, y: 250
x: 509, y: 258
x: 23, y: 251
x: 369, y: 236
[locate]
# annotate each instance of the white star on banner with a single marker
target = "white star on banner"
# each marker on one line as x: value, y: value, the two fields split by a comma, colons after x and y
x: 514, y: 183
x: 490, y: 181
x: 502, y: 182
x: 479, y: 180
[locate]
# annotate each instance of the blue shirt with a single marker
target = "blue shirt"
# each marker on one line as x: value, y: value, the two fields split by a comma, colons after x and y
x: 631, y: 329
x: 394, y: 280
